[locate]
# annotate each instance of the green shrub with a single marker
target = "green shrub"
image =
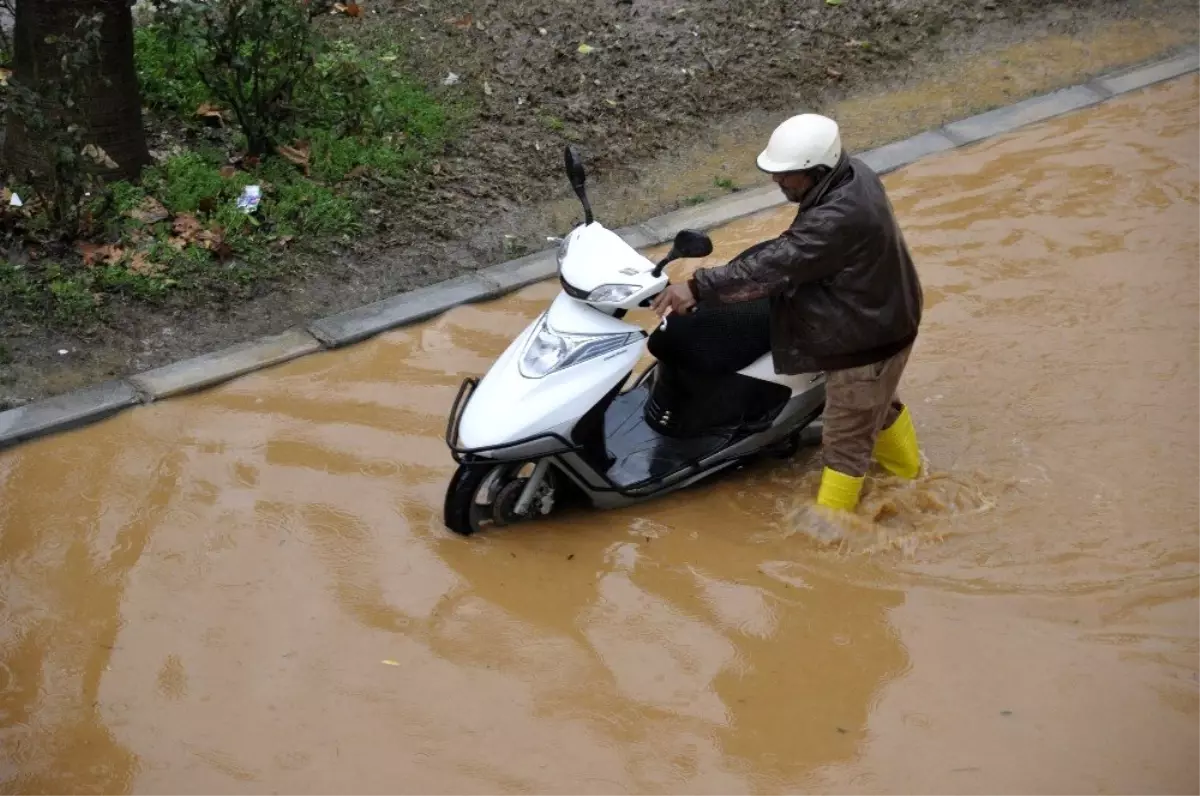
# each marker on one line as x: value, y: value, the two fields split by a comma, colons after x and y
x: 166, y: 70
x: 254, y: 54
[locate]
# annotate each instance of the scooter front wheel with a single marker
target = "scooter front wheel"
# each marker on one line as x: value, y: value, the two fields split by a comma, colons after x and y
x: 482, y: 495
x: 462, y: 513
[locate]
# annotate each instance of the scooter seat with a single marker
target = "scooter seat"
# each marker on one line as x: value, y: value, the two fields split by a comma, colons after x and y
x: 714, y: 340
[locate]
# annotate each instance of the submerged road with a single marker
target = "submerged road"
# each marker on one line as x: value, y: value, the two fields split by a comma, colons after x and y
x: 249, y: 591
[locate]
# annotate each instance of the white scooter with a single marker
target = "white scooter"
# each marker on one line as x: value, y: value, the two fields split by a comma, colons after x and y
x: 550, y: 416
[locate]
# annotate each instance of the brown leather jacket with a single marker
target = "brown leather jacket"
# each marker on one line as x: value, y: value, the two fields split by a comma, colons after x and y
x: 843, y: 289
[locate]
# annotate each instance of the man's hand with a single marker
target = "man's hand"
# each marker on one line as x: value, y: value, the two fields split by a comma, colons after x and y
x: 676, y: 298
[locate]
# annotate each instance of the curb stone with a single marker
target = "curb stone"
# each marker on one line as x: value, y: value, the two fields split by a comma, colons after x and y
x: 1141, y: 77
x: 229, y: 363
x: 715, y: 213
x: 516, y: 274
x: 94, y: 403
x: 1017, y: 115
x: 358, y: 324
x: 890, y: 157
x: 64, y: 412
x: 640, y: 236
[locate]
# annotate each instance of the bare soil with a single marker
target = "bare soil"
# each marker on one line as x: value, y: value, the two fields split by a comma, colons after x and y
x: 668, y: 105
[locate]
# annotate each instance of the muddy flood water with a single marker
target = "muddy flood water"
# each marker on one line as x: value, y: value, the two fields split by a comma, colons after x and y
x: 249, y: 590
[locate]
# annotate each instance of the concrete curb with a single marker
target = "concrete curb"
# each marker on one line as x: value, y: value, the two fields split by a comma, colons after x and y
x: 1030, y: 111
x: 64, y: 412
x: 1140, y: 77
x: 715, y: 213
x: 209, y: 369
x: 890, y: 157
x: 94, y: 403
x: 358, y: 324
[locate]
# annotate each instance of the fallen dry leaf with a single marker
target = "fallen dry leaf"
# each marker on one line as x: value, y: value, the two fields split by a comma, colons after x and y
x: 98, y: 156
x: 283, y: 240
x: 189, y: 230
x: 223, y: 250
x: 296, y: 155
x: 829, y: 70
x: 228, y: 171
x: 141, y: 264
x: 462, y: 23
x: 210, y: 240
x: 150, y: 211
x: 349, y: 9
x: 214, y: 241
x: 210, y: 112
x: 187, y: 226
x: 107, y: 253
x: 356, y: 172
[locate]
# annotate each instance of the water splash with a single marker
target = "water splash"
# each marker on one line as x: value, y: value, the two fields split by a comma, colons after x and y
x: 893, y: 514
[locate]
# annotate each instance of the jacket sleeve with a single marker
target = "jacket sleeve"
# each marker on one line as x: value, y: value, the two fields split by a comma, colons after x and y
x: 806, y: 252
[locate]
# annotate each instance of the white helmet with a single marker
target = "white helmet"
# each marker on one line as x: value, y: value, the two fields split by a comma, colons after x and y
x: 802, y: 142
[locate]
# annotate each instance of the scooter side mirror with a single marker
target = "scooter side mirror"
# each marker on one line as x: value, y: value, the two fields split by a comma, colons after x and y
x: 690, y: 243
x: 687, y: 243
x: 575, y: 171
x: 578, y: 179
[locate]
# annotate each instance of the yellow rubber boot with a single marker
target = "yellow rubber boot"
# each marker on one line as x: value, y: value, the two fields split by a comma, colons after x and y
x: 896, y: 447
x: 838, y: 490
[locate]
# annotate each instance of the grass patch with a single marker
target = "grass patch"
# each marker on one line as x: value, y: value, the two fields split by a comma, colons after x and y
x: 361, y: 134
x: 47, y: 292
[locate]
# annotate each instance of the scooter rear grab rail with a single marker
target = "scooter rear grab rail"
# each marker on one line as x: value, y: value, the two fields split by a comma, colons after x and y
x: 464, y: 455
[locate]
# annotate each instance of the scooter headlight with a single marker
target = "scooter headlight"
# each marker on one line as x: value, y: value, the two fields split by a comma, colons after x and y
x: 550, y: 350
x: 611, y: 294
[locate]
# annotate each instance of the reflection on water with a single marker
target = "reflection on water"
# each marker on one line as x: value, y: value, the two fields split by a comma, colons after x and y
x: 249, y: 590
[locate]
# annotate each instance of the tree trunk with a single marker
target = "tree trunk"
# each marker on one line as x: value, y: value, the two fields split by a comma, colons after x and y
x: 109, y: 106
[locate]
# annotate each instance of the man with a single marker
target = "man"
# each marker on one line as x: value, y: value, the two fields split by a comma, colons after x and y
x: 844, y: 297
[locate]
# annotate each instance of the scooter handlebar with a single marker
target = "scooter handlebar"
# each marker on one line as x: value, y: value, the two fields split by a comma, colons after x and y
x: 646, y: 302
